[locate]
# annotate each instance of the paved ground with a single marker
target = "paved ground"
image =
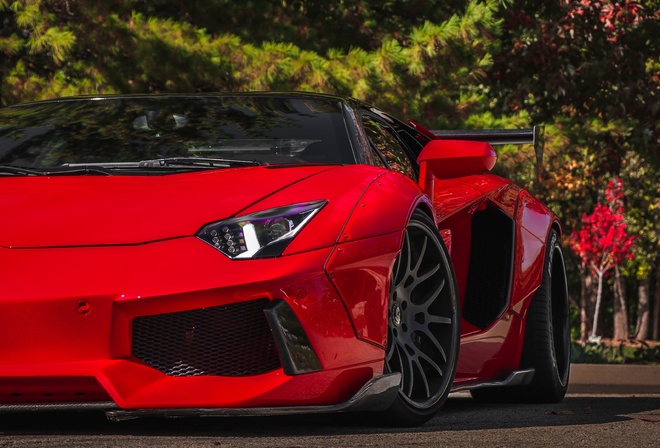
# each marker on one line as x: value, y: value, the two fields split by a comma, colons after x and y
x: 604, y: 408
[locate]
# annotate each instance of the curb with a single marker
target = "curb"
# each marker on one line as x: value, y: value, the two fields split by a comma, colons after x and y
x: 614, y: 379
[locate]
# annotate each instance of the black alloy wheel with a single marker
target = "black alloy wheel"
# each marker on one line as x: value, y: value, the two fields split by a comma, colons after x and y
x: 423, y: 324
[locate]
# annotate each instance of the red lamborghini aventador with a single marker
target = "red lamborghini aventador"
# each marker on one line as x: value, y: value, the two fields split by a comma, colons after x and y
x: 265, y: 253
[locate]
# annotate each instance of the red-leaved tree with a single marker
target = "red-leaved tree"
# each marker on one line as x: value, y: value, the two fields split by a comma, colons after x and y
x: 603, y: 242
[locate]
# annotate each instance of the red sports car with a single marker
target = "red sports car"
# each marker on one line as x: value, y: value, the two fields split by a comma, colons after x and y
x: 265, y: 253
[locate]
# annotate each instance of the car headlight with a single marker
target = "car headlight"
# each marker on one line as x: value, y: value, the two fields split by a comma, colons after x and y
x: 262, y: 234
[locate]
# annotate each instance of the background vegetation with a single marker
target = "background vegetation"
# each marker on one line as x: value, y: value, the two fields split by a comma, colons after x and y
x: 589, y: 71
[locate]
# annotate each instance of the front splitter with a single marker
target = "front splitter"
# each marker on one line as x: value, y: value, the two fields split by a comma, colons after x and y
x: 377, y: 395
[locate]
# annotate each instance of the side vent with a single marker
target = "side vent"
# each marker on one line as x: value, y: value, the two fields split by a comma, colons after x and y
x: 296, y: 352
x: 491, y: 257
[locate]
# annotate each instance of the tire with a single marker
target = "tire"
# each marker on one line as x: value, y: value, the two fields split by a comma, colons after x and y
x: 546, y: 347
x: 547, y: 333
x: 423, y: 324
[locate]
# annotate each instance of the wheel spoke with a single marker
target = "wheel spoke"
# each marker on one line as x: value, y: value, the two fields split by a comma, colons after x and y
x: 421, y: 257
x: 437, y: 346
x: 388, y: 356
x: 397, y: 268
x: 408, y: 254
x: 439, y: 320
x: 438, y: 290
x: 411, y: 374
x: 423, y: 377
x: 431, y: 362
x: 424, y: 306
x: 419, y: 280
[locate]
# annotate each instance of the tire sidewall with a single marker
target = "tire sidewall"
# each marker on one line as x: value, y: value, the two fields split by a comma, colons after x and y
x: 539, y: 352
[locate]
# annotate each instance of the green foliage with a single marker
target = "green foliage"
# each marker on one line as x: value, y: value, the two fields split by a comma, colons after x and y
x: 409, y: 65
x: 613, y: 354
x: 643, y: 216
x: 587, y: 61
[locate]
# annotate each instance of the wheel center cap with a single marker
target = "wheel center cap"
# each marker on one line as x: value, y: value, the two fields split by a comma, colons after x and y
x: 396, y: 314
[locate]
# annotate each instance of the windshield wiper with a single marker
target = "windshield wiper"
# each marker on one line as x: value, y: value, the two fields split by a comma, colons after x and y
x: 79, y: 171
x: 170, y: 162
x: 111, y: 168
x: 202, y: 162
x: 55, y: 171
x: 10, y: 169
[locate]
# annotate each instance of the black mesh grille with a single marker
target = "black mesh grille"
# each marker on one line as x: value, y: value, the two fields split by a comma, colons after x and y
x: 232, y: 340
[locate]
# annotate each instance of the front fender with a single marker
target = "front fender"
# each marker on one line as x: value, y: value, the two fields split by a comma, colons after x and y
x: 360, y: 266
x: 341, y: 186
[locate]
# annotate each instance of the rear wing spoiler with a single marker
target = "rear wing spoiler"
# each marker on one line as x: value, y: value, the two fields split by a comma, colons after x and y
x: 525, y: 136
x: 530, y: 136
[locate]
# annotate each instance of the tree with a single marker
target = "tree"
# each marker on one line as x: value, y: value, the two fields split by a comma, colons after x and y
x: 584, y: 59
x: 590, y: 71
x: 386, y: 53
x: 642, y: 192
x: 603, y: 243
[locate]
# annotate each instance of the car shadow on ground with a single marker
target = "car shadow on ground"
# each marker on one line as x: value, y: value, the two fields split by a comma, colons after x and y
x: 461, y: 413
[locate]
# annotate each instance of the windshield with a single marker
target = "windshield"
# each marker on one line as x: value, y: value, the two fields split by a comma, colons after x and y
x: 264, y: 129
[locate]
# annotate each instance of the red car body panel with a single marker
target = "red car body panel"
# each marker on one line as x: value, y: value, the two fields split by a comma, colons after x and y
x: 133, y: 210
x: 117, y: 286
x: 43, y: 321
x: 490, y: 353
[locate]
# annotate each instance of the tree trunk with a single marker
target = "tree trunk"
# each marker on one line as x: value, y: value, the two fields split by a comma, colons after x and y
x: 599, y: 295
x: 656, y: 306
x: 586, y: 303
x: 643, y: 309
x: 620, y: 310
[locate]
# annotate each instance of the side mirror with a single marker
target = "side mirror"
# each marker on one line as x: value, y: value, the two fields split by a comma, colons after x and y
x: 446, y: 159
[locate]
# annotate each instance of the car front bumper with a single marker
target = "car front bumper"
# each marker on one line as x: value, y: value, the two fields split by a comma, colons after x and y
x: 68, y: 329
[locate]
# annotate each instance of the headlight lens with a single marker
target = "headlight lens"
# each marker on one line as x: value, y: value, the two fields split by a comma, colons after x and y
x: 263, y: 234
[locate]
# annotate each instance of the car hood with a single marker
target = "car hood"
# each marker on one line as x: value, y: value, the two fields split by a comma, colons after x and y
x: 64, y: 211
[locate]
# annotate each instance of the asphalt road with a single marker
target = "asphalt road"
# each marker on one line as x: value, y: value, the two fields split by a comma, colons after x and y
x: 593, y: 418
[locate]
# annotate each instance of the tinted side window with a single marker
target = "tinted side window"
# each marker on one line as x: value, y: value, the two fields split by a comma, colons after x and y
x: 389, y: 146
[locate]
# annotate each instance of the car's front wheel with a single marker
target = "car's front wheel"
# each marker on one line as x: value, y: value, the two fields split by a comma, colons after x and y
x: 424, y: 334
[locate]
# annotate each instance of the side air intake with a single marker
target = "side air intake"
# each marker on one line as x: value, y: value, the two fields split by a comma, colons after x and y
x: 491, y: 257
